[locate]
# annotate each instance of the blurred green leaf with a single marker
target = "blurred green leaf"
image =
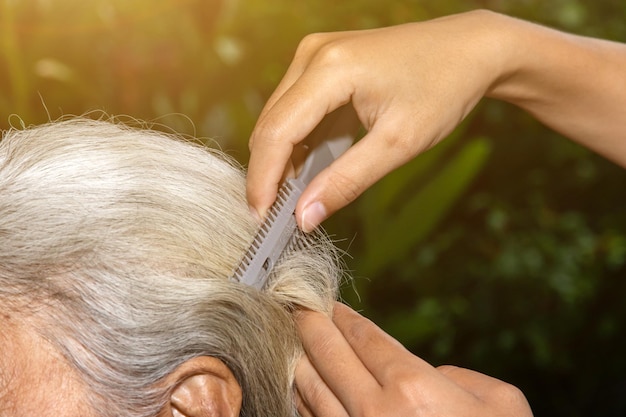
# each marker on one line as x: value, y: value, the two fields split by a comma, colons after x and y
x: 404, y: 226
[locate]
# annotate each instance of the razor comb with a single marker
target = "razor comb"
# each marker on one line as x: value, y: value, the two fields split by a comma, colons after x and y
x: 332, y: 137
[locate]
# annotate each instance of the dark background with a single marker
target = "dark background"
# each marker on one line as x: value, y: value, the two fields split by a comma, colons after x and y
x: 502, y: 250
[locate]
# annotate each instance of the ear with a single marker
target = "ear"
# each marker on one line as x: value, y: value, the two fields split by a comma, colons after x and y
x: 203, y: 387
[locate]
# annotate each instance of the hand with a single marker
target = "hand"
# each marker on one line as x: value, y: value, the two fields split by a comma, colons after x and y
x: 410, y: 85
x: 354, y: 369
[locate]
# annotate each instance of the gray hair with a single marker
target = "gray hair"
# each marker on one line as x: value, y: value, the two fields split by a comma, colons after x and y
x: 121, y: 241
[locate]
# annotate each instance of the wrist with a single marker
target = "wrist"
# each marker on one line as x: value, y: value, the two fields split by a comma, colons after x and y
x: 493, y: 40
x: 510, y: 37
x: 533, y: 61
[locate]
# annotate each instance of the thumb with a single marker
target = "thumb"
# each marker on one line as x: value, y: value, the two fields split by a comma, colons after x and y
x: 328, y: 192
x: 366, y: 162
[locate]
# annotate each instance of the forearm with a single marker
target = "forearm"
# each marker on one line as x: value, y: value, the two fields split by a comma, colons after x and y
x: 574, y: 85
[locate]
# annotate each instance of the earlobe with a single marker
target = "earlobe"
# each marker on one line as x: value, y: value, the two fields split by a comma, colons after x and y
x: 203, y: 387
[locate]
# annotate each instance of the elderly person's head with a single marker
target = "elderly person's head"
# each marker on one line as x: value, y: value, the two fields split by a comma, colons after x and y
x: 116, y: 247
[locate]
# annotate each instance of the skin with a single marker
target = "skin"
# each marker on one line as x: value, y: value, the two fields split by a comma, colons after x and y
x: 411, y: 85
x: 353, y: 368
x: 34, y: 379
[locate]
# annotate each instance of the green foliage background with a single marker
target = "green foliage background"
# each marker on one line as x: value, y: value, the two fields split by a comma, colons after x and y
x: 502, y: 250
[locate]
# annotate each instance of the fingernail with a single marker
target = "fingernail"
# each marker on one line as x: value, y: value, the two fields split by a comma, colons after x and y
x: 255, y: 214
x: 312, y: 216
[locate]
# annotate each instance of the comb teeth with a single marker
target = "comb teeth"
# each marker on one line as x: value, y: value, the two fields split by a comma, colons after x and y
x: 329, y: 139
x: 273, y: 236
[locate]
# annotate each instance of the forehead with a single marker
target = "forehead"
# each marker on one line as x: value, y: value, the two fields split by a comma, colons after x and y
x: 8, y: 370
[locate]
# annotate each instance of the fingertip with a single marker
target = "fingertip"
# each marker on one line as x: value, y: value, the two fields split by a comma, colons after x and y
x: 314, y: 205
x: 345, y: 312
x: 311, y: 322
x: 258, y: 208
x: 312, y: 216
x: 340, y: 308
x: 448, y: 369
x: 255, y: 214
x: 333, y: 189
x: 260, y: 193
x: 340, y: 311
x: 299, y: 313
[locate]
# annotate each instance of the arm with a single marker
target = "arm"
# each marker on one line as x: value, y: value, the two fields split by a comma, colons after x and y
x: 412, y: 84
x: 573, y: 84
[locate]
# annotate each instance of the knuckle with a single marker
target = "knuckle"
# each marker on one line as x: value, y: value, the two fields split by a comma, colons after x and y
x: 408, y: 392
x: 506, y: 393
x: 447, y: 369
x: 324, y: 49
x: 311, y: 43
x: 332, y: 53
x: 358, y: 332
x: 407, y: 383
x: 265, y: 132
x: 403, y: 146
x: 315, y: 392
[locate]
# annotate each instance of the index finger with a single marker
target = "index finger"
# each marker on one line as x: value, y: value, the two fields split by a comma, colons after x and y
x: 385, y: 357
x: 335, y: 361
x: 289, y: 121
